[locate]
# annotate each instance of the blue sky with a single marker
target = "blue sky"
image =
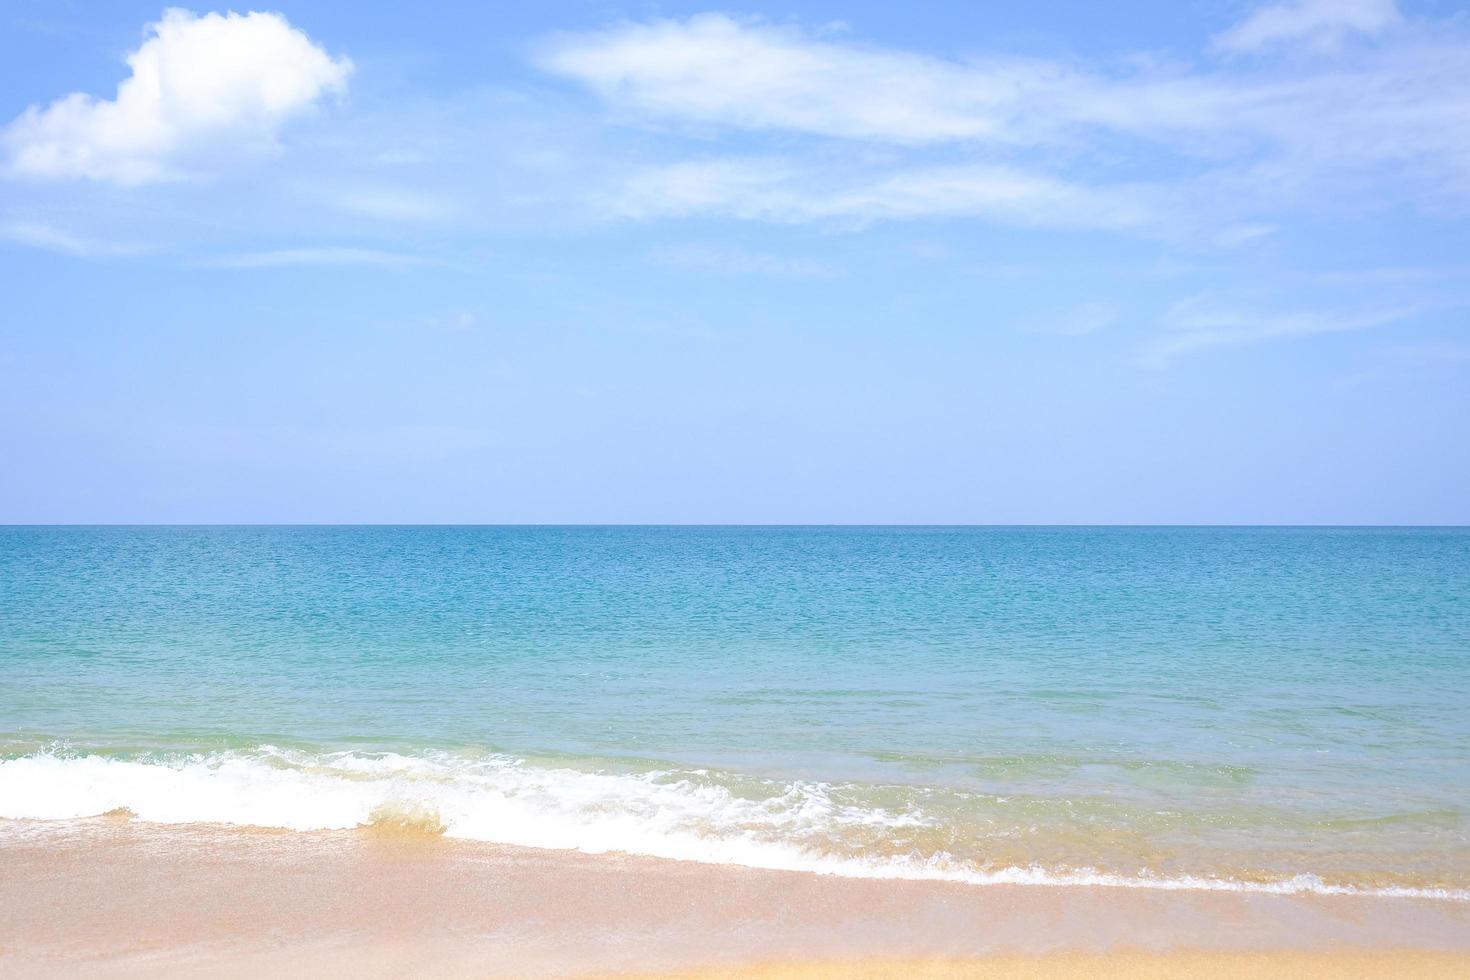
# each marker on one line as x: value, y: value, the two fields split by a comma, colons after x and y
x: 828, y: 262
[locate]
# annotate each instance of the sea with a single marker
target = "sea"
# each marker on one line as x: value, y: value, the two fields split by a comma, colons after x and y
x: 1275, y: 709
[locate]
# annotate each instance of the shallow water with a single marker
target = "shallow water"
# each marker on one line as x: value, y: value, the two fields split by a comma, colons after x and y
x: 1282, y: 708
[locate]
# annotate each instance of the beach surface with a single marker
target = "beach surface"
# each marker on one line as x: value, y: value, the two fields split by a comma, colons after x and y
x: 112, y: 897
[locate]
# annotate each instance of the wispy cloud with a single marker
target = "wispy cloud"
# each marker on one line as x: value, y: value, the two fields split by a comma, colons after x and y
x: 1388, y: 275
x: 1267, y: 136
x: 1442, y: 352
x: 1198, y: 324
x: 1321, y: 25
x: 51, y: 239
x: 749, y: 74
x: 729, y: 261
x: 794, y: 192
x: 392, y: 203
x: 325, y: 255
x: 1084, y: 319
x: 714, y: 68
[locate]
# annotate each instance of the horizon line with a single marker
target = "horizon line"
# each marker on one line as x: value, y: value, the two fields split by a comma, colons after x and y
x: 715, y: 524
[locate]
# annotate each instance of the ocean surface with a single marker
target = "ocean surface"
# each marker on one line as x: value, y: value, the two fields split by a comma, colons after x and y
x: 1284, y: 709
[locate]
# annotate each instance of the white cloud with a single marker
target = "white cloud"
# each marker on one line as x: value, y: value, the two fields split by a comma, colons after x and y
x: 1320, y: 25
x: 196, y: 82
x: 51, y: 239
x: 729, y: 261
x: 327, y: 255
x: 1197, y: 324
x: 713, y: 68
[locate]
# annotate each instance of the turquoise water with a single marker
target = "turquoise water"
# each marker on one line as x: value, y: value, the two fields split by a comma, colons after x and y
x: 1269, y: 708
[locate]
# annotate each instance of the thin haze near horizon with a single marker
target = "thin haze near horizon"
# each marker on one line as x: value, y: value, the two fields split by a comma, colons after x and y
x: 820, y: 262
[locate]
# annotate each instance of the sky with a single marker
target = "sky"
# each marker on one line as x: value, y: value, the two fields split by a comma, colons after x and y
x: 1196, y: 261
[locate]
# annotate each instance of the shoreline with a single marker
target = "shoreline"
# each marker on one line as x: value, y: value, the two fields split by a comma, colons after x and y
x: 115, y: 897
x: 702, y: 817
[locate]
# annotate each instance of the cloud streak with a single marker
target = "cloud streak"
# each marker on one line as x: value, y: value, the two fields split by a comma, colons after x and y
x: 1198, y: 324
x: 48, y: 238
x: 795, y: 193
x: 727, y: 261
x: 1320, y: 25
x: 745, y: 73
x: 318, y: 256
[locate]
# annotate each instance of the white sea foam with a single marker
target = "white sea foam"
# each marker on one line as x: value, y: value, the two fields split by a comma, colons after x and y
x: 665, y: 814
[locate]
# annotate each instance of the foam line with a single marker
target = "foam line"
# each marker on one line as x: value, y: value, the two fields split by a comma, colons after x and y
x: 505, y: 800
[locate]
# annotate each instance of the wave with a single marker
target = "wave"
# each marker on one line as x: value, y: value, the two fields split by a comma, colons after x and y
x: 690, y: 815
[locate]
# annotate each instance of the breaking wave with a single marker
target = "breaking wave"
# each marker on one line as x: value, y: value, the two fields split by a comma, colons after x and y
x: 691, y: 815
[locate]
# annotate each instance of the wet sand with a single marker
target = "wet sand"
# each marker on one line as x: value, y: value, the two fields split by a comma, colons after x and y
x: 116, y: 898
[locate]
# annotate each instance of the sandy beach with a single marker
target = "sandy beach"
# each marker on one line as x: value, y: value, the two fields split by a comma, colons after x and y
x: 112, y: 897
